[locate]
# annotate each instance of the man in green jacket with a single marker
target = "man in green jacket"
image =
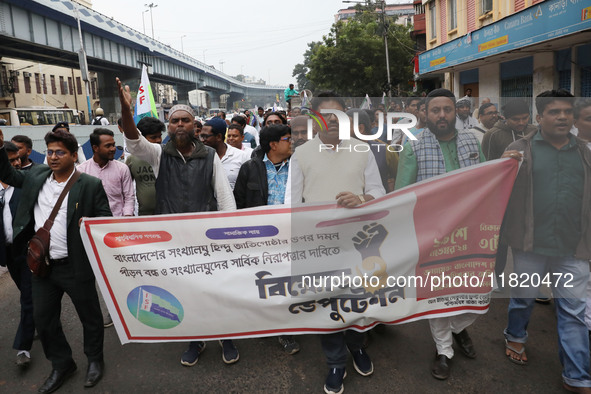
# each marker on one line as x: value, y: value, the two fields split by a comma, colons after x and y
x: 548, y: 226
x: 440, y: 149
x: 71, y: 272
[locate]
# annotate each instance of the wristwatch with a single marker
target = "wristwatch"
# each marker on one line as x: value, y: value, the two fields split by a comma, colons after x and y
x: 361, y: 198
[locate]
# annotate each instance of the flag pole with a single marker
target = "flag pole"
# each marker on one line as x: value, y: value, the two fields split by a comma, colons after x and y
x: 139, y: 301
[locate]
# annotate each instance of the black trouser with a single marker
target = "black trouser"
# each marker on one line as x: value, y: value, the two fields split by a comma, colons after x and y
x: 21, y: 275
x: 47, y: 300
x: 335, y: 346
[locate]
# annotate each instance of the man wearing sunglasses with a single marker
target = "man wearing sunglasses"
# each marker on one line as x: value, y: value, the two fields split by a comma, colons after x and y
x: 71, y: 272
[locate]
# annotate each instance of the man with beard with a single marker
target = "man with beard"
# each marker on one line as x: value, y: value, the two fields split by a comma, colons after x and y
x: 316, y: 175
x: 464, y: 121
x: 189, y: 176
x: 441, y: 148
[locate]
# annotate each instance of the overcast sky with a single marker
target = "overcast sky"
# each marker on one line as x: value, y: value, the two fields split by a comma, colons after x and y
x: 264, y: 39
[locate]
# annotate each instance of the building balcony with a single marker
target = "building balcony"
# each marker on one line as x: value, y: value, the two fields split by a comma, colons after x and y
x: 419, y: 24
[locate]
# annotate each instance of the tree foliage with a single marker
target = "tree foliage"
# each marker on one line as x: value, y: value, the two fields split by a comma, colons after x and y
x: 351, y: 57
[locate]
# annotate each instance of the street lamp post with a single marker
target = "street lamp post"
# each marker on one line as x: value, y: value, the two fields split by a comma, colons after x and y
x: 386, y: 47
x: 182, y: 47
x: 144, y: 20
x: 83, y: 66
x: 151, y: 6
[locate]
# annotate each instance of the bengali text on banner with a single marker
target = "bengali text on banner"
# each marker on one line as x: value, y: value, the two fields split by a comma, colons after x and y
x: 423, y: 251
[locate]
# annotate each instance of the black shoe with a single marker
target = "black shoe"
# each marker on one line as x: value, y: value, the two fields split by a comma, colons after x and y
x: 334, y: 381
x: 23, y: 359
x: 362, y: 362
x: 107, y: 321
x: 56, y: 379
x: 94, y: 373
x: 440, y: 369
x: 191, y: 355
x: 543, y: 300
x: 465, y: 343
x: 230, y: 354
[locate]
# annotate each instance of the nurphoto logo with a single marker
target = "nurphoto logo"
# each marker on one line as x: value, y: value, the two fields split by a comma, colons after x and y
x: 394, y: 121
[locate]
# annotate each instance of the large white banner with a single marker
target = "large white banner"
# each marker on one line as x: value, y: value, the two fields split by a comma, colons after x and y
x: 426, y: 250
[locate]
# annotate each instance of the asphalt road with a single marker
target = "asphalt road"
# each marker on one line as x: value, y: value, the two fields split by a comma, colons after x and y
x: 402, y: 356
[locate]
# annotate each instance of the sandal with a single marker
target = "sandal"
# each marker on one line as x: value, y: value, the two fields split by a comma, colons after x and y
x: 519, y: 352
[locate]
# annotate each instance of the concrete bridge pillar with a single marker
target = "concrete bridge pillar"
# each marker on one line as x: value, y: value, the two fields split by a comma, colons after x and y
x: 182, y: 92
x: 107, y: 90
x: 214, y: 98
x: 234, y: 97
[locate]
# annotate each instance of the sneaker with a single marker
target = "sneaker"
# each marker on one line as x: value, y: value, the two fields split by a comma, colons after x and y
x: 362, y: 362
x: 191, y: 355
x: 23, y: 358
x: 107, y: 321
x: 229, y: 352
x: 334, y: 381
x: 289, y: 344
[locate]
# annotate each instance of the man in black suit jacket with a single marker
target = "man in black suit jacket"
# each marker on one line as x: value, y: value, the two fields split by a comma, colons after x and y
x: 71, y: 272
x: 16, y: 264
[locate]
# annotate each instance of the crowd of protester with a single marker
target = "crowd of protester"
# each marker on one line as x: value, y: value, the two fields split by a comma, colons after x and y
x: 252, y: 159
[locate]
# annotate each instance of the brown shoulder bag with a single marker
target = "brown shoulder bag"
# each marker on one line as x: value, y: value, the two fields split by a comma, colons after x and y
x: 38, y: 248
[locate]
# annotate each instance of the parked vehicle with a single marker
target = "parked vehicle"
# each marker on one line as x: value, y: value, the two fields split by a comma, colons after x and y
x: 38, y: 116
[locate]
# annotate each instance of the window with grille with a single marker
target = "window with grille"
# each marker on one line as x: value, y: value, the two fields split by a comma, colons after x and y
x: 63, y: 86
x: 70, y: 86
x: 15, y: 82
x: 53, y: 85
x: 564, y: 79
x: 79, y: 85
x: 27, y: 80
x: 586, y: 82
x: 452, y: 12
x: 517, y: 87
x: 44, y: 81
x: 38, y: 82
x: 433, y: 16
x: 486, y: 6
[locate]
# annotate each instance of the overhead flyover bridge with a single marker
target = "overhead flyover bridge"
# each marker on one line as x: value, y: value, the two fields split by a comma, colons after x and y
x: 46, y: 31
